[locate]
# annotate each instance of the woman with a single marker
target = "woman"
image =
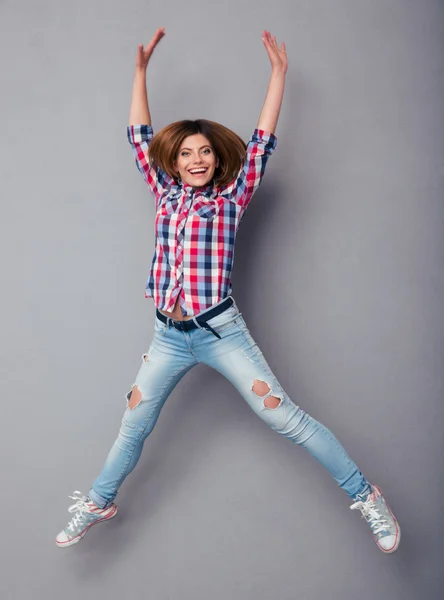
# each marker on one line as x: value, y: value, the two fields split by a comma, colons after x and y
x: 203, y: 177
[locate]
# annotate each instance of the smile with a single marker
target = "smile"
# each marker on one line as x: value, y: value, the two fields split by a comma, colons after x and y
x: 199, y: 171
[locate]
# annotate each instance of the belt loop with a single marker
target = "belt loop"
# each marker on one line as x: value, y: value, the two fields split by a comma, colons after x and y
x: 207, y: 328
x: 211, y: 330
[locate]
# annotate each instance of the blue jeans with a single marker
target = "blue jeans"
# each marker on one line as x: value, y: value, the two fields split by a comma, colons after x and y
x: 236, y: 355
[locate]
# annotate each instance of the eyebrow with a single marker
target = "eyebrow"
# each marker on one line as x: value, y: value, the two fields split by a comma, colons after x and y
x: 206, y: 146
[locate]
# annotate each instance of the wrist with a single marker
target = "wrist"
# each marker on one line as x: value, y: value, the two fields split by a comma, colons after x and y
x: 278, y: 73
x: 140, y: 72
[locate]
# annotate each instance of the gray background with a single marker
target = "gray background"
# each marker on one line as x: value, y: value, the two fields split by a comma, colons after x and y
x: 339, y: 274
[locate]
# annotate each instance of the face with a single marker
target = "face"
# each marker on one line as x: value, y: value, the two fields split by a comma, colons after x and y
x: 196, y: 161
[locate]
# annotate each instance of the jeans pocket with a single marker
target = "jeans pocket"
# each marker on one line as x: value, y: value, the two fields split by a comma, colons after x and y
x: 229, y: 318
x: 159, y: 326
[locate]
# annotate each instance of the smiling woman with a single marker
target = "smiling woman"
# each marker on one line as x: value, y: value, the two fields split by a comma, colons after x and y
x: 203, y: 177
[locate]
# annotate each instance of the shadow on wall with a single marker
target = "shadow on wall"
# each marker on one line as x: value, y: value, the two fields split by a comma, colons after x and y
x: 290, y: 182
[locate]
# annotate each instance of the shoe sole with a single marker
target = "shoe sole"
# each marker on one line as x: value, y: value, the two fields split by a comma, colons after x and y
x: 85, y: 531
x: 398, y: 529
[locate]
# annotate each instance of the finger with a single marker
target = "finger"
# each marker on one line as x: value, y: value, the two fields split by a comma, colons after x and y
x: 156, y: 38
x: 160, y: 33
x: 150, y: 47
x: 268, y: 41
x: 269, y: 48
x: 267, y: 45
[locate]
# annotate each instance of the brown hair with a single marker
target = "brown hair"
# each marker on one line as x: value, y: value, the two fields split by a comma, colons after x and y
x: 228, y: 147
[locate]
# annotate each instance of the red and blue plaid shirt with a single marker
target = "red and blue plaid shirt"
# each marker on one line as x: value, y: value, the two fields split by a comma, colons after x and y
x: 196, y: 227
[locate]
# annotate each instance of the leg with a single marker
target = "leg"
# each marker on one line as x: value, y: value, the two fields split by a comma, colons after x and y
x: 244, y: 365
x: 159, y: 374
x: 238, y: 358
x: 167, y: 361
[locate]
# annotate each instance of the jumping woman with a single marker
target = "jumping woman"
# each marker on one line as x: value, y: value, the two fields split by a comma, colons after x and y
x: 202, y: 177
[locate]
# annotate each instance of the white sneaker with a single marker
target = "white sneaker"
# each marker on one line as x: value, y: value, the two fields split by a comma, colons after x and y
x: 384, y: 526
x: 87, y: 515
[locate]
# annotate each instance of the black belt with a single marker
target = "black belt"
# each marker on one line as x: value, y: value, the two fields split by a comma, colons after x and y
x: 201, y: 319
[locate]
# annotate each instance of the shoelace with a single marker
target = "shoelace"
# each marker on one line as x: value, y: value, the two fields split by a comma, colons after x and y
x: 80, y: 507
x: 378, y: 523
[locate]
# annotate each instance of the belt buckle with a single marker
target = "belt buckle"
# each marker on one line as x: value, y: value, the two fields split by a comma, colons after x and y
x: 177, y: 325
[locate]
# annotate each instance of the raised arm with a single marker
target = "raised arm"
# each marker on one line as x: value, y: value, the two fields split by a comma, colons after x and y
x: 263, y: 141
x: 140, y: 132
x: 273, y: 100
x: 139, y: 111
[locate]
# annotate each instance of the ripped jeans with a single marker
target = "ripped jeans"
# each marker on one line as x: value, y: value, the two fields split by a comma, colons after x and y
x: 236, y: 355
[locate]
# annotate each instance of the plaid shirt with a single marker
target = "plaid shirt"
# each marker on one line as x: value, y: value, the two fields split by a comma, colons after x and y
x: 196, y: 227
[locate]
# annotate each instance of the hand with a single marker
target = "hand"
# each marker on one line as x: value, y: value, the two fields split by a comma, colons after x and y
x: 277, y: 56
x: 144, y: 55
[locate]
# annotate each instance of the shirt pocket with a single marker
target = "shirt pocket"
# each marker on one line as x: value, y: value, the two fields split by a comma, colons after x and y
x: 206, y: 209
x: 168, y: 206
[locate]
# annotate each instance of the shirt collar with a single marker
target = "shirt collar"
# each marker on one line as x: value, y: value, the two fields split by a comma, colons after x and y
x: 207, y: 190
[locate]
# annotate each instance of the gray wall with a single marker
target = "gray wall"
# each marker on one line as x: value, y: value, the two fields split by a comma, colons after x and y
x: 339, y: 274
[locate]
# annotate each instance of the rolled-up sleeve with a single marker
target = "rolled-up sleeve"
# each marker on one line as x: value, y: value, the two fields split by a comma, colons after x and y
x: 259, y: 149
x: 140, y: 136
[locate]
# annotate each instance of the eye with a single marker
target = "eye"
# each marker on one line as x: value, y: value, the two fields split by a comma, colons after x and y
x: 206, y: 151
x: 184, y: 153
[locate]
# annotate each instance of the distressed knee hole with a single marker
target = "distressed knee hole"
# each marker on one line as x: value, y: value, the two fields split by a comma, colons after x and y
x: 260, y: 388
x: 134, y: 397
x: 272, y: 402
x: 145, y: 358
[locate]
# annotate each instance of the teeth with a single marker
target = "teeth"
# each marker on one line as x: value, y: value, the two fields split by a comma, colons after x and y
x: 195, y: 171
